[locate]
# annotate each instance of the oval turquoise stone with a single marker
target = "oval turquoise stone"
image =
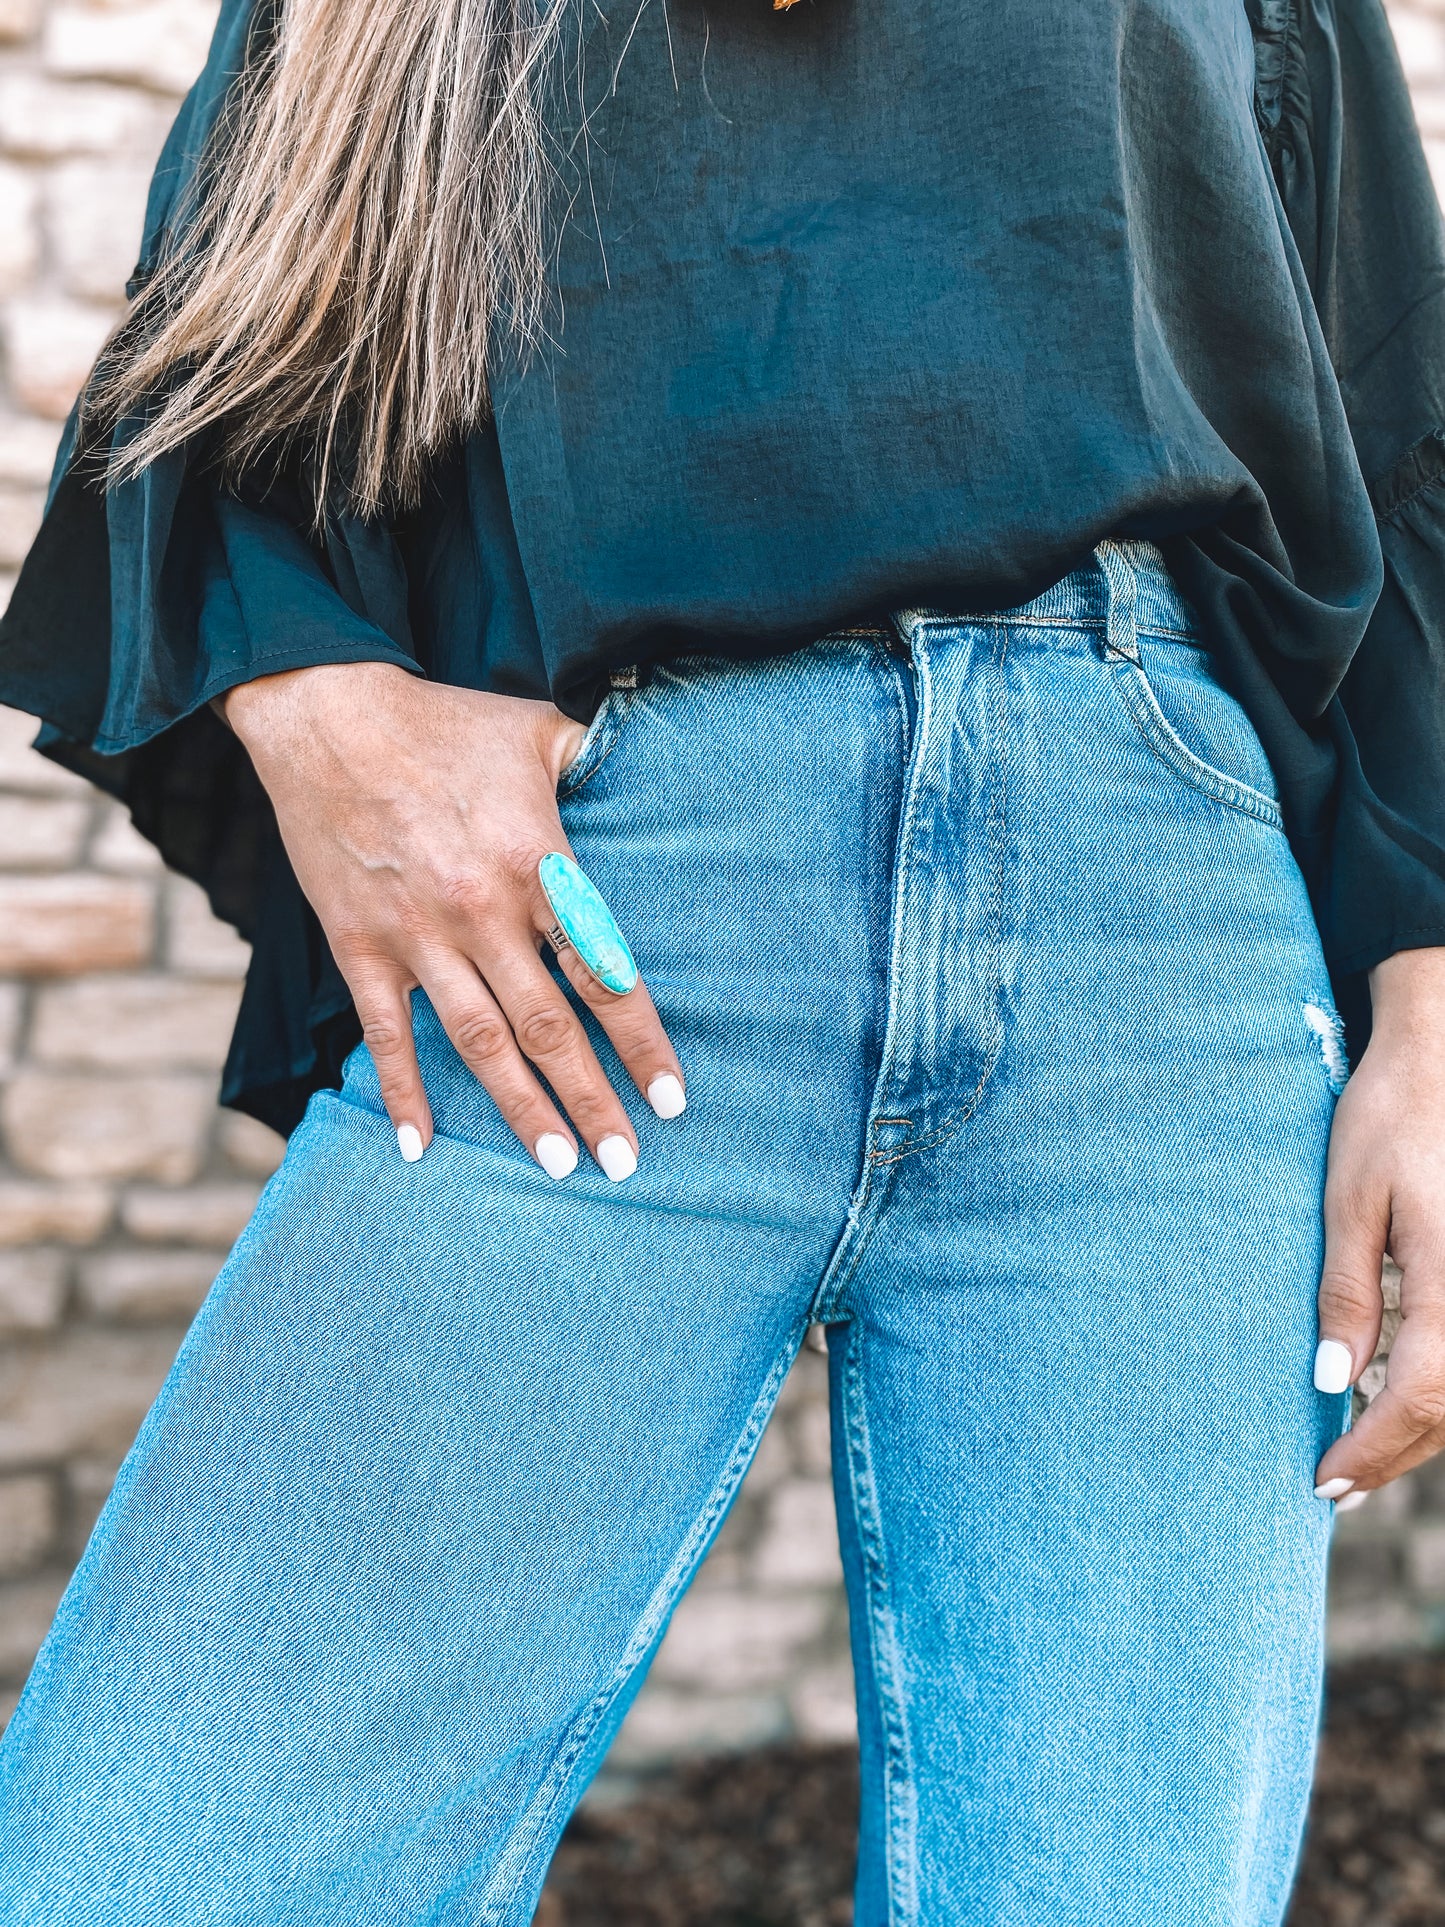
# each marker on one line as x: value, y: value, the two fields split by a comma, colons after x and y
x: 578, y: 906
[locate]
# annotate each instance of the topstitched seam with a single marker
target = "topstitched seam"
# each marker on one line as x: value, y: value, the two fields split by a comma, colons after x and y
x: 900, y: 1801
x: 997, y: 845
x: 510, y: 1875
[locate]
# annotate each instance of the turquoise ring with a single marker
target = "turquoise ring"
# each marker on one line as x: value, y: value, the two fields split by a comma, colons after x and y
x: 585, y: 922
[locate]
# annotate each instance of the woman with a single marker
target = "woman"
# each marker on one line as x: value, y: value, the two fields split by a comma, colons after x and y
x: 938, y: 511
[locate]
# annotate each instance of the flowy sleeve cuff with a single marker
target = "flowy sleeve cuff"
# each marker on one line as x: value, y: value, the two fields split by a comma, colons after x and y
x: 136, y: 606
x: 1387, y: 888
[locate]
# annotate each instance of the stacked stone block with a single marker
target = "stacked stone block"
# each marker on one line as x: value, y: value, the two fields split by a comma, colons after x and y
x: 121, y: 1185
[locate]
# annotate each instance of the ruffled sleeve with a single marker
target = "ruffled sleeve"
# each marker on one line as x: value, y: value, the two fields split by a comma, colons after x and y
x: 138, y: 604
x: 1338, y: 122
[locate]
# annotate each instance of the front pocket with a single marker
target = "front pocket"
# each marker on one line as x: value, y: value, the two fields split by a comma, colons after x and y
x: 602, y: 734
x: 1194, y: 726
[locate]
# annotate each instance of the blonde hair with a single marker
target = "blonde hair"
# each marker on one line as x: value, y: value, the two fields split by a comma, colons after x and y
x: 371, y: 209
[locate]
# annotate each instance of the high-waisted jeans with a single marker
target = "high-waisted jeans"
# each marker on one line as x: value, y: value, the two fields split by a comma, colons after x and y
x: 1007, y: 1036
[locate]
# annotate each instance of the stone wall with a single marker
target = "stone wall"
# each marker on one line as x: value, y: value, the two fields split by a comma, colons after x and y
x: 121, y: 1185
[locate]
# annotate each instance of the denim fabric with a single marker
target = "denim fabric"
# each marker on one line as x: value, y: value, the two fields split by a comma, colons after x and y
x: 855, y: 305
x: 1001, y: 1005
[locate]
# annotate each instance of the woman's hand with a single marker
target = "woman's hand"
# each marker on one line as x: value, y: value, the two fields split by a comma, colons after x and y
x: 1385, y: 1190
x: 415, y: 815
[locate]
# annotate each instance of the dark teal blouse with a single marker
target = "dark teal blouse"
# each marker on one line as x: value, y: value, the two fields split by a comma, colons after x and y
x: 864, y: 304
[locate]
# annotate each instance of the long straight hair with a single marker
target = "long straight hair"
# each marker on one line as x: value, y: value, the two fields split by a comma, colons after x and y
x: 370, y: 213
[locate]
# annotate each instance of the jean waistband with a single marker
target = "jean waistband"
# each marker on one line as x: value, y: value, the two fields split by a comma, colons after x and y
x: 1125, y: 581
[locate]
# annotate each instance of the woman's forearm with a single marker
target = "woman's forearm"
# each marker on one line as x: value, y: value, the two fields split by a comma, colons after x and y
x: 1408, y: 991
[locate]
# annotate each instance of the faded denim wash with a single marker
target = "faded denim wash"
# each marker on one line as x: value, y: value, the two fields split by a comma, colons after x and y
x: 999, y: 997
x: 856, y: 305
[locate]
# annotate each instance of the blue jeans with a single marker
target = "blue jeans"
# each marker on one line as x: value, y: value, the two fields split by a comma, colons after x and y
x: 991, y: 971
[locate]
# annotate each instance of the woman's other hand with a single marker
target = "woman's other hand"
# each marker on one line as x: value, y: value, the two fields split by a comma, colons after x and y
x: 1385, y: 1190
x: 415, y: 815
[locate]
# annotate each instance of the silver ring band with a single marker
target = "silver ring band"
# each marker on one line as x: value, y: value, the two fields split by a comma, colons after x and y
x: 558, y: 938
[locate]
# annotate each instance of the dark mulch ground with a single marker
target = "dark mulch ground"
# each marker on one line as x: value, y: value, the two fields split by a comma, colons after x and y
x: 1375, y: 1848
x: 767, y: 1840
x: 764, y: 1840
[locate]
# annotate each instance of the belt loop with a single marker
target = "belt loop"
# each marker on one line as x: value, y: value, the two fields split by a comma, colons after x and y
x: 1120, y: 635
x: 906, y: 625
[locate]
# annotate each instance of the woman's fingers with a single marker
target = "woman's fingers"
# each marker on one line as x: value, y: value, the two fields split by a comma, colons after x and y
x: 483, y: 1039
x: 636, y: 1034
x: 383, y: 1003
x: 527, y: 1022
x: 550, y: 1035
x: 1350, y: 1303
x: 628, y: 1015
x: 508, y: 1020
x: 1406, y: 1423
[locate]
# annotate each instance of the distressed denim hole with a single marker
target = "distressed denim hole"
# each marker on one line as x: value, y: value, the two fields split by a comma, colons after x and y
x: 1329, y: 1034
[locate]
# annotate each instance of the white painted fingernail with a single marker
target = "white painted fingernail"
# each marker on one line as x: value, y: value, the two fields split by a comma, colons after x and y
x: 1332, y: 1366
x: 617, y: 1158
x: 408, y: 1142
x: 556, y: 1154
x: 1351, y: 1500
x: 1333, y: 1488
x: 666, y: 1095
